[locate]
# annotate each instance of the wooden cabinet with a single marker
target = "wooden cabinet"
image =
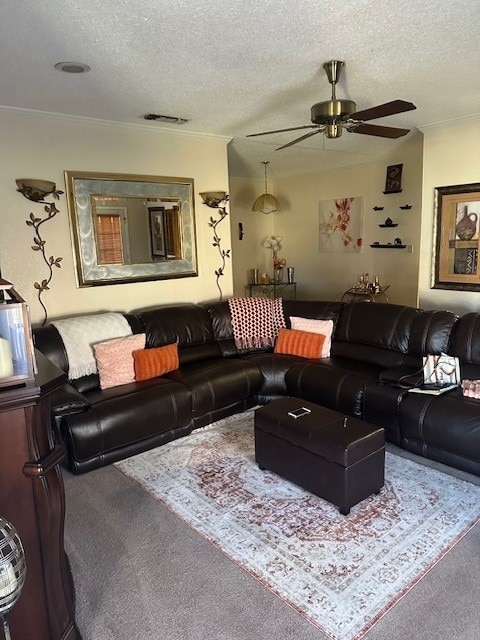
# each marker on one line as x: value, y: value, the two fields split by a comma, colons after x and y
x: 32, y: 498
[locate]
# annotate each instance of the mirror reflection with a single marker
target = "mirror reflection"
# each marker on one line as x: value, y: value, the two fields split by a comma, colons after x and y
x: 129, y: 228
x: 136, y: 230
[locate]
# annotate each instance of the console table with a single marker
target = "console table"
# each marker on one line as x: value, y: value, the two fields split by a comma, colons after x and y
x: 32, y: 498
x: 287, y: 290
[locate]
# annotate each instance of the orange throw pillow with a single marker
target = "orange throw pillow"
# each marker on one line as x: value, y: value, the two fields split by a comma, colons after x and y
x: 150, y: 363
x: 299, y: 343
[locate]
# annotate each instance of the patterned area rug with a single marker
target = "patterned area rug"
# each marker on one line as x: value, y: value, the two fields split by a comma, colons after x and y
x: 341, y: 573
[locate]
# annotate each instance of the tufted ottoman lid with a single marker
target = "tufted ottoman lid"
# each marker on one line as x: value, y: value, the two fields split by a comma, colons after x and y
x: 321, y: 431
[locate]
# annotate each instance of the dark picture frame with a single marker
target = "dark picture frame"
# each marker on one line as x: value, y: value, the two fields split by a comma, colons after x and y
x: 157, y: 234
x: 456, y: 260
x: 393, y: 180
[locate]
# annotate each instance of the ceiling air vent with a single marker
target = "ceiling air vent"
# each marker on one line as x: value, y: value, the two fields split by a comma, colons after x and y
x: 167, y: 119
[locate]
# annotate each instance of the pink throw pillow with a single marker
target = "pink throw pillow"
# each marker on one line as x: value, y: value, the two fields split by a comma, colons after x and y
x: 315, y: 326
x: 115, y: 360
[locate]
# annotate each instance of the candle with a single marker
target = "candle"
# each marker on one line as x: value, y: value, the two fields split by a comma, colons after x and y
x: 8, y: 579
x: 6, y: 360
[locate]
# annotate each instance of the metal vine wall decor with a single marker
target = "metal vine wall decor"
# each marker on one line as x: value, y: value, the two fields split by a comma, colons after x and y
x: 213, y: 199
x: 37, y: 191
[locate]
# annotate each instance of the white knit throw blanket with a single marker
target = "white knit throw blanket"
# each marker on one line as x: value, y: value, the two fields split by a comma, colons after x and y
x: 79, y: 334
x: 256, y: 321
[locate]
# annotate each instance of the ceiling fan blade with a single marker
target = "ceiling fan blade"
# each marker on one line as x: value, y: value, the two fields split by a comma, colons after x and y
x: 266, y: 133
x: 308, y: 135
x: 377, y: 130
x: 381, y: 110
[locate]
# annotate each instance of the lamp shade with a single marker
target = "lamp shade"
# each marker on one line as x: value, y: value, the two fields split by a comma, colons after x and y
x: 266, y: 203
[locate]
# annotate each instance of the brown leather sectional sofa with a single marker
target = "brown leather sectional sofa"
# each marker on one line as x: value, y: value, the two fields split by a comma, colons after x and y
x: 373, y: 346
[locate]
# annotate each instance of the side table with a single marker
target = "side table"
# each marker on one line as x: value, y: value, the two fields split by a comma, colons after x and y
x: 353, y: 294
x: 287, y: 290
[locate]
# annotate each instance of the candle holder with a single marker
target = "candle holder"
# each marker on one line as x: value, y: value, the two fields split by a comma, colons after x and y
x: 12, y: 571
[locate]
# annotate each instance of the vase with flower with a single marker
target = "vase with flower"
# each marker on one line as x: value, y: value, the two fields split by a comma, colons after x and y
x: 278, y: 265
x: 274, y: 243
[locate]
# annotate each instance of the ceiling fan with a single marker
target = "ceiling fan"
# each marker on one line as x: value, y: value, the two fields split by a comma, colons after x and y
x: 333, y: 116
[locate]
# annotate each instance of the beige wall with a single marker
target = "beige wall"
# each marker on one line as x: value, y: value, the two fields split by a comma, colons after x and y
x: 451, y: 156
x: 248, y: 253
x: 327, y: 275
x: 43, y: 146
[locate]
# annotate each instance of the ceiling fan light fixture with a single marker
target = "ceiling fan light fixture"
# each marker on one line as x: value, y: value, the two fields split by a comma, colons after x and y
x: 333, y: 130
x: 266, y: 203
x: 330, y: 117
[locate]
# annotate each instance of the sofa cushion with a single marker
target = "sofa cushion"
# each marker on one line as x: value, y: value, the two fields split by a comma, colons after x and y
x: 445, y: 427
x: 304, y: 344
x: 115, y: 360
x: 273, y: 367
x: 376, y: 333
x: 330, y: 386
x: 126, y: 420
x: 218, y: 383
x: 188, y: 325
x: 150, y: 363
x: 324, y: 327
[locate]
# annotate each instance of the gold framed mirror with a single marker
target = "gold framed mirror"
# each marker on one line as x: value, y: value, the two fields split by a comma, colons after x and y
x: 131, y: 228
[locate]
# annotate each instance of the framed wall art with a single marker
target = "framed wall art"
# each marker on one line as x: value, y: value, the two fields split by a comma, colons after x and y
x: 457, y: 238
x: 393, y: 181
x: 341, y: 225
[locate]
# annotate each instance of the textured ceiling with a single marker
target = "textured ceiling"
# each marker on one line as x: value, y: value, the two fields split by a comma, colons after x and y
x: 234, y: 67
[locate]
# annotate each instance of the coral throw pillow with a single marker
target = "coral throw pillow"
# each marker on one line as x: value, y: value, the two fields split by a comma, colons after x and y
x: 115, y: 360
x: 299, y: 343
x: 324, y: 327
x: 150, y: 363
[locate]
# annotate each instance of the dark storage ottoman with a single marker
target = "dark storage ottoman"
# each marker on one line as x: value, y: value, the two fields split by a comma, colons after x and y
x: 339, y: 458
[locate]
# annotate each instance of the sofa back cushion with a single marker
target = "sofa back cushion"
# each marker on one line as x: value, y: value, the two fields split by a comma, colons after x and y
x: 465, y: 343
x: 431, y: 333
x: 188, y: 325
x: 374, y: 332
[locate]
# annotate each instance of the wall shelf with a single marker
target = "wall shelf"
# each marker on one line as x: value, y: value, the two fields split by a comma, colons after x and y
x: 388, y: 226
x: 388, y: 246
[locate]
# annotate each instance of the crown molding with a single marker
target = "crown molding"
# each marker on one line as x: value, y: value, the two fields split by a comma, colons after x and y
x: 454, y: 122
x: 132, y: 126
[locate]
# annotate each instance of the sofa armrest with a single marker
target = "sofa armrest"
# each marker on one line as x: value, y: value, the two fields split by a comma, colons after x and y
x: 67, y: 400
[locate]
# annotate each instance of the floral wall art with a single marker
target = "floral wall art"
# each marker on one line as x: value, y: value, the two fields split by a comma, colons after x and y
x: 341, y: 225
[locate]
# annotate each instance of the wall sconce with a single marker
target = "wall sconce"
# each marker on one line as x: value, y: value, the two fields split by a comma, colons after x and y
x: 12, y: 571
x: 266, y: 203
x: 213, y: 199
x: 37, y: 191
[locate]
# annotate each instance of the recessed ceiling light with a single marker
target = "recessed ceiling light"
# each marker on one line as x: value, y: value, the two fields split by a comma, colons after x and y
x: 72, y: 67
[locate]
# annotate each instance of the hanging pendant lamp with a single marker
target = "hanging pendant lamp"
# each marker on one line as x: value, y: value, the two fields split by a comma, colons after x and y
x: 266, y: 203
